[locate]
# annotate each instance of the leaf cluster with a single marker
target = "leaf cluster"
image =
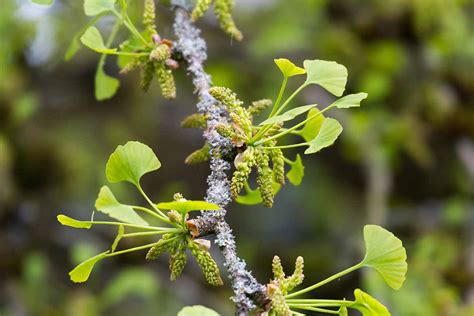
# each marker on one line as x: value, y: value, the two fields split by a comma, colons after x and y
x: 128, y: 163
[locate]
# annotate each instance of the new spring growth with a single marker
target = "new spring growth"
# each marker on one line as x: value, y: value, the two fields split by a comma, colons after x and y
x: 129, y: 163
x: 257, y: 144
x: 281, y: 285
x: 223, y: 12
x: 143, y: 50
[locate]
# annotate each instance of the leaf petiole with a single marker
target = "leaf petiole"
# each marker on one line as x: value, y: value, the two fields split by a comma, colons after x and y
x: 315, y: 309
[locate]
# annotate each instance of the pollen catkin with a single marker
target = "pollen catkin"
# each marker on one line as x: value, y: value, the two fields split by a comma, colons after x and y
x: 222, y: 10
x: 277, y: 268
x: 149, y: 17
x: 279, y: 306
x: 157, y: 249
x: 177, y: 262
x: 147, y: 73
x: 242, y: 172
x: 225, y: 131
x: 175, y: 216
x: 131, y: 65
x: 198, y: 156
x: 264, y: 179
x: 241, y: 117
x: 208, y: 265
x: 298, y: 276
x: 274, y: 129
x: 160, y: 53
x: 225, y: 96
x: 195, y: 121
x: 259, y: 106
x: 278, y: 161
x: 201, y: 7
x: 166, y: 81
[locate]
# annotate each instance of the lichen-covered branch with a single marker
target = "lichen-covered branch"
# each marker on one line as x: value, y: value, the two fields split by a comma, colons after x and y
x: 248, y: 293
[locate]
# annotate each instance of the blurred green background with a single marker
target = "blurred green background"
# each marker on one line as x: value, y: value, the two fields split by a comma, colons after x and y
x: 404, y: 161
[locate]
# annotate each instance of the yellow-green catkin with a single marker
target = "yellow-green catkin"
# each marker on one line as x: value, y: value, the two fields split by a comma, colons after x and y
x: 160, y: 53
x: 201, y: 7
x: 279, y: 306
x: 195, y: 121
x: 177, y: 262
x: 241, y: 117
x: 131, y: 65
x: 166, y: 81
x: 175, y: 216
x: 243, y: 165
x: 198, y: 156
x: 158, y: 248
x: 259, y: 106
x: 264, y: 179
x: 149, y: 17
x: 206, y: 263
x: 278, y: 162
x: 147, y: 73
x: 277, y: 268
x: 222, y: 9
x: 297, y: 277
x: 225, y: 96
x: 274, y: 129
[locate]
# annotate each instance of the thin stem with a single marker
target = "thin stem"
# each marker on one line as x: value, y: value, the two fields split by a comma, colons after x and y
x: 160, y: 229
x: 130, y: 250
x: 323, y: 282
x: 296, y: 313
x: 304, y: 302
x: 267, y: 127
x: 154, y: 214
x: 285, y: 146
x: 125, y: 53
x: 129, y: 24
x: 280, y: 95
x: 143, y: 234
x: 316, y: 309
x: 288, y: 161
x: 164, y: 217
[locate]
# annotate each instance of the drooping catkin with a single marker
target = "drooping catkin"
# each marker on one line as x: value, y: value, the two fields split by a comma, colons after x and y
x: 198, y: 156
x: 157, y: 249
x: 195, y: 121
x: 201, y: 7
x: 177, y: 262
x: 243, y: 165
x: 222, y: 9
x: 264, y: 179
x: 278, y: 161
x: 225, y: 96
x: 147, y: 74
x: 149, y: 17
x: 160, y: 53
x: 207, y: 264
x: 166, y: 81
x: 259, y: 106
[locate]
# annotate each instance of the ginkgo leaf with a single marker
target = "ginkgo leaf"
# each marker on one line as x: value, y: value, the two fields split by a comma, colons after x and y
x: 328, y: 133
x: 92, y: 39
x: 117, y: 238
x: 296, y: 173
x: 82, y: 272
x: 71, y: 222
x: 105, y: 86
x: 130, y: 162
x: 95, y: 7
x: 368, y: 305
x: 253, y: 197
x: 186, y: 206
x: 108, y: 204
x: 288, y: 115
x: 386, y: 254
x: 311, y: 128
x: 328, y: 74
x: 349, y: 101
x: 197, y: 310
x: 288, y: 68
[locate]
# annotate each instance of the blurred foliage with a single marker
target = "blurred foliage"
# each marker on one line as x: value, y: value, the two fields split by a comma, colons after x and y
x: 404, y: 160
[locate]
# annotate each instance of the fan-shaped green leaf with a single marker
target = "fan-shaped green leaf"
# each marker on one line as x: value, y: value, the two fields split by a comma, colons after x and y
x: 328, y: 74
x: 328, y: 133
x: 253, y: 197
x: 71, y: 222
x: 92, y: 39
x: 117, y: 238
x: 82, y: 272
x: 186, y: 206
x: 349, y: 101
x: 288, y: 68
x: 105, y: 86
x: 296, y: 173
x: 288, y: 115
x: 197, y: 310
x: 94, y: 7
x: 130, y: 162
x: 386, y: 254
x: 43, y: 2
x: 108, y: 204
x: 368, y: 305
x: 311, y: 128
